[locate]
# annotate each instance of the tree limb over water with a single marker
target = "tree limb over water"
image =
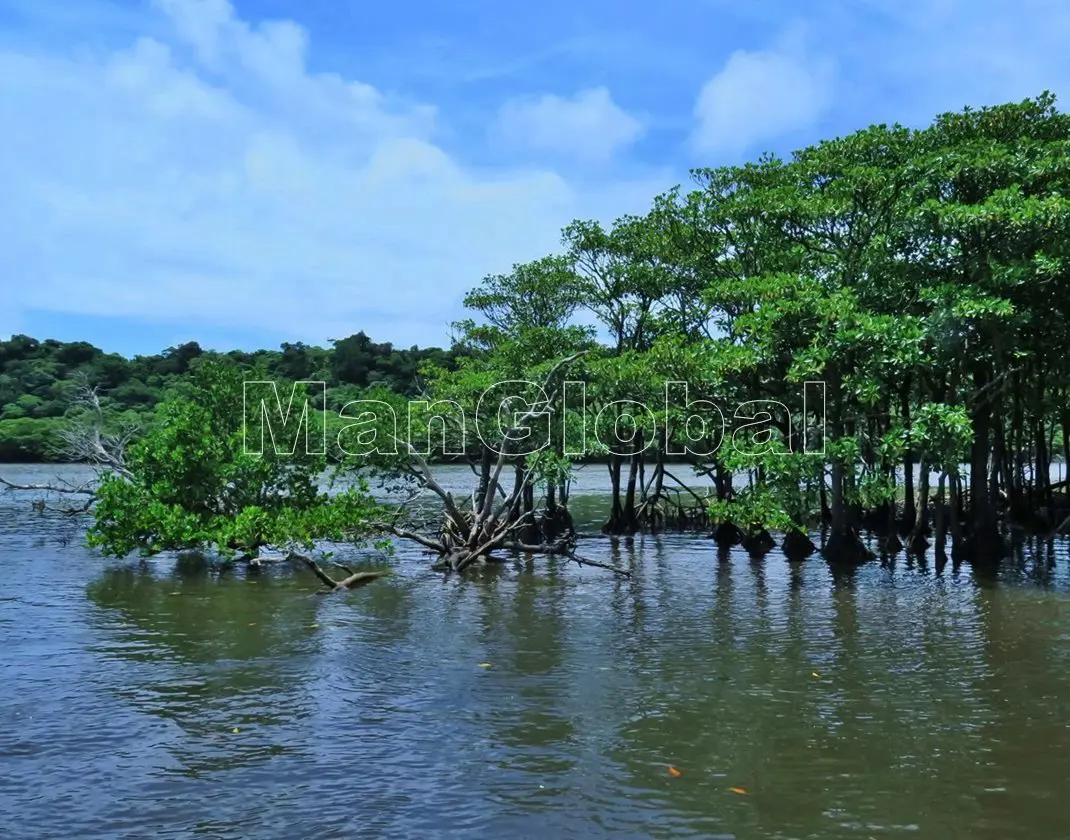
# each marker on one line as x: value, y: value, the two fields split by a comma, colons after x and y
x: 89, y: 441
x: 354, y: 580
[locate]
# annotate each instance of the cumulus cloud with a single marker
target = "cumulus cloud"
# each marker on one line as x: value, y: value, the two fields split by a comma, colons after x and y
x: 760, y: 96
x: 589, y: 126
x: 209, y: 175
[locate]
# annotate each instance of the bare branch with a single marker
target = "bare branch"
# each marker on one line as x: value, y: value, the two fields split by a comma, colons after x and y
x: 89, y: 443
x: 404, y: 534
x: 564, y: 550
x: 356, y: 579
x: 64, y: 487
x: 423, y: 471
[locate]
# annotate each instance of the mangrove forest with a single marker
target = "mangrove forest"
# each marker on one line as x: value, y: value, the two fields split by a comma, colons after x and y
x: 867, y: 341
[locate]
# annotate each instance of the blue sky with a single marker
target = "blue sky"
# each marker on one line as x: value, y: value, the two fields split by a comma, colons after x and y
x: 246, y: 172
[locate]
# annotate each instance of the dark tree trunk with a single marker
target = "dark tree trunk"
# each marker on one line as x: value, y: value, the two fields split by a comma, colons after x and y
x: 630, y: 522
x: 844, y: 545
x: 615, y: 515
x: 486, y: 463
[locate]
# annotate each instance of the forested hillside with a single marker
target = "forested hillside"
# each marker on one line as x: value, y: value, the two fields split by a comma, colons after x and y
x: 41, y: 381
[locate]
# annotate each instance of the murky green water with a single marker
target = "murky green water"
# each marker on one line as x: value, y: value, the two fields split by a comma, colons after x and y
x: 538, y: 700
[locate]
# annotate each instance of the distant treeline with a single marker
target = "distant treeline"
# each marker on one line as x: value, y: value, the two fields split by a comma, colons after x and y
x: 40, y: 380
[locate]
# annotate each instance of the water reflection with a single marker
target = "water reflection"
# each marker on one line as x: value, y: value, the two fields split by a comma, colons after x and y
x: 210, y: 653
x: 1027, y: 710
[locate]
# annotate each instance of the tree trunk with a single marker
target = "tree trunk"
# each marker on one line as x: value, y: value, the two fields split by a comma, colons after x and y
x: 844, y: 544
x: 918, y: 543
x: 615, y: 517
x: 908, y: 465
x: 630, y: 525
x: 940, y: 517
x: 486, y: 462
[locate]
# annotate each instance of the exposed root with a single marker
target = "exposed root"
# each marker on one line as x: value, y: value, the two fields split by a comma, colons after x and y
x: 846, y: 548
x: 797, y: 546
x: 727, y: 535
x: 758, y: 543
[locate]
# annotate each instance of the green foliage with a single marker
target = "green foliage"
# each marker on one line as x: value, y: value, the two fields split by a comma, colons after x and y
x: 943, y: 434
x: 753, y: 510
x: 24, y: 439
x: 548, y: 467
x: 194, y: 485
x: 783, y: 498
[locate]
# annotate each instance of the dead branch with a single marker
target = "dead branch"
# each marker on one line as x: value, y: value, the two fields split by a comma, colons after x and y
x: 464, y: 537
x: 355, y: 580
x: 584, y: 561
x: 423, y: 472
x: 86, y: 443
x: 76, y: 511
x: 90, y: 444
x: 405, y: 534
x: 85, y: 489
x: 563, y: 549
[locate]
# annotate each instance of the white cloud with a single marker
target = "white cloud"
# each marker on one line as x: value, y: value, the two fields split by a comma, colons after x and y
x: 758, y: 97
x: 590, y: 126
x: 215, y: 178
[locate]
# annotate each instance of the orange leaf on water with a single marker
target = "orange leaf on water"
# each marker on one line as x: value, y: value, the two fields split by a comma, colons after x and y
x: 674, y: 772
x: 740, y: 791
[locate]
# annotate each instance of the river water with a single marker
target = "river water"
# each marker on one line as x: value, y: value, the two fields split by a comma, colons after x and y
x: 538, y: 700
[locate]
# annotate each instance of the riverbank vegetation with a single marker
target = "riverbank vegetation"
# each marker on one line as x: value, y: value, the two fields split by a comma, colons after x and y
x: 42, y: 382
x: 920, y: 275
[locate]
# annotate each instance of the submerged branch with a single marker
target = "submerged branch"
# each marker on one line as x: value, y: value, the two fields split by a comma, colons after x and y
x: 584, y: 561
x: 563, y: 549
x: 355, y: 579
x: 85, y: 489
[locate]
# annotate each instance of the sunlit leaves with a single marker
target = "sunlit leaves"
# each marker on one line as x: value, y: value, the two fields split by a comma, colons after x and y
x: 195, y: 484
